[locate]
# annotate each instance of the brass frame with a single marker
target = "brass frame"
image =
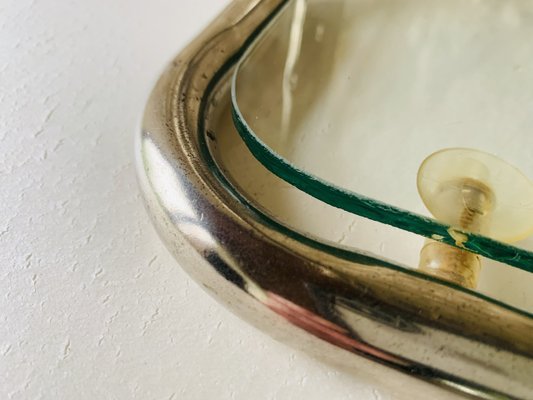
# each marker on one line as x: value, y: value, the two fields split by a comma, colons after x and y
x: 355, y: 311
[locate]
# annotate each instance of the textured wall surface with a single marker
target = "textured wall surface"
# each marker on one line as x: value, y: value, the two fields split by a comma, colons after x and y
x: 91, y: 304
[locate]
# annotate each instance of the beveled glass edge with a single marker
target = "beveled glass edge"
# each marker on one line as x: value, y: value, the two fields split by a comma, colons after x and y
x: 366, y: 207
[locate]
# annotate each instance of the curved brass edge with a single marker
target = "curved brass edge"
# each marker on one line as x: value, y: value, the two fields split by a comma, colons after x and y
x: 298, y: 292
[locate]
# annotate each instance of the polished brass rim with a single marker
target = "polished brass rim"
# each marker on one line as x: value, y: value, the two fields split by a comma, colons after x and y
x: 335, y: 307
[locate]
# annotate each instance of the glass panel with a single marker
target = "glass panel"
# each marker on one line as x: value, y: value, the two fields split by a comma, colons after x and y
x: 347, y: 99
x: 353, y: 235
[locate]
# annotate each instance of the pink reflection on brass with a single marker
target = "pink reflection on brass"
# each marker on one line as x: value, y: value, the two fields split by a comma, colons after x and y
x: 320, y: 327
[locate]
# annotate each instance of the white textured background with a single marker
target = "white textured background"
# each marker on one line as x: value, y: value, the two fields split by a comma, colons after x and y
x: 91, y: 304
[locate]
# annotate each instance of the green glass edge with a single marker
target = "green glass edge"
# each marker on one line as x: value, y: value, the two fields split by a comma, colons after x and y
x: 367, y: 207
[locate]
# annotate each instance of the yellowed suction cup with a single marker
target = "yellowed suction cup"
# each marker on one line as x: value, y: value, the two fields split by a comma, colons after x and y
x: 477, y: 192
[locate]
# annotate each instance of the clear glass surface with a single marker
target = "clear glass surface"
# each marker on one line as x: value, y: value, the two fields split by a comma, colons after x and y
x: 346, y: 99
